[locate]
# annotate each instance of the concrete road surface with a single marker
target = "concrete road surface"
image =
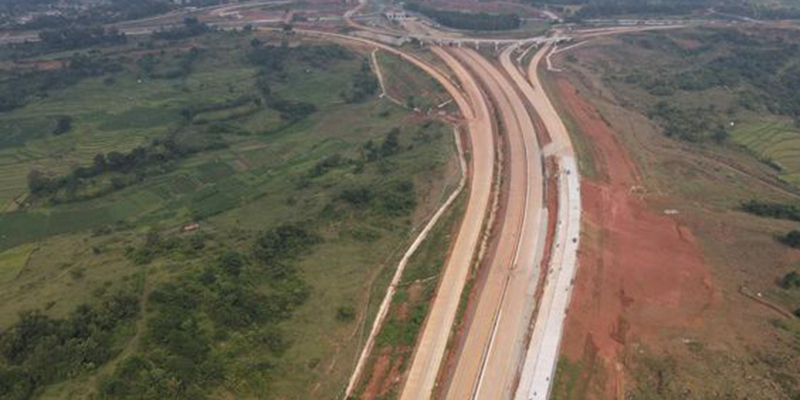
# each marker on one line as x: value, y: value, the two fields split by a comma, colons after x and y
x: 542, y: 354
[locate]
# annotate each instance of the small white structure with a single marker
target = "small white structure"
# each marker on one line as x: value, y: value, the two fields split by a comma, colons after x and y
x: 396, y: 15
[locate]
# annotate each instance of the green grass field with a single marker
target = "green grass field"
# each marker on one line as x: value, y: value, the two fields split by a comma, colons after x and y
x: 261, y: 179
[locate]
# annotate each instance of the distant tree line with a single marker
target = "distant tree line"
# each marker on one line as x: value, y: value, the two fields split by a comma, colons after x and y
x: 611, y: 8
x: 468, y: 21
x: 16, y: 91
x: 98, y: 13
x: 38, y: 350
x: 78, y: 36
x: 771, y: 210
x: 191, y: 27
x: 130, y: 167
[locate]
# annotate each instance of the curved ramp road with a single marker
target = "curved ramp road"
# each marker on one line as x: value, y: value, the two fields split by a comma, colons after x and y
x: 433, y: 339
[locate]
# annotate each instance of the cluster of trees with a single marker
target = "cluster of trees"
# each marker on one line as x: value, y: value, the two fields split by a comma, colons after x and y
x: 38, y: 350
x: 272, y: 61
x: 154, y: 245
x: 191, y: 27
x: 791, y: 239
x: 148, y: 63
x: 790, y: 281
x: 694, y: 125
x: 79, y: 36
x: 468, y: 21
x: 196, y: 313
x: 63, y: 125
x: 190, y: 112
x: 609, y: 8
x: 16, y: 91
x: 396, y: 199
x: 130, y: 167
x: 771, y: 210
x: 389, y: 147
x: 365, y: 84
x: 277, y: 248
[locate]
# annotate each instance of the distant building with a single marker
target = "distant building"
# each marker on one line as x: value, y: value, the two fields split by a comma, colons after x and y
x: 395, y: 15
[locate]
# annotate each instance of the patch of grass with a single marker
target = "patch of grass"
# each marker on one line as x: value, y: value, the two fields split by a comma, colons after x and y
x: 567, y: 383
x: 406, y: 83
x: 13, y: 260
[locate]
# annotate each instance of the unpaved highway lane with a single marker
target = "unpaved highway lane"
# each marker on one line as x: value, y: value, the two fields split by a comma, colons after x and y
x: 435, y: 333
x: 491, y: 354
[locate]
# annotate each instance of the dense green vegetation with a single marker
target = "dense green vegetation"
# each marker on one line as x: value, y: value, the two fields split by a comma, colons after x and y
x: 466, y: 20
x: 73, y: 13
x: 763, y: 68
x: 39, y: 350
x: 233, y: 294
x: 772, y: 210
x: 248, y: 191
x: 693, y: 125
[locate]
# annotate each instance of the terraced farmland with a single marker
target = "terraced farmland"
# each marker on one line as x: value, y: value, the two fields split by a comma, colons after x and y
x: 776, y: 142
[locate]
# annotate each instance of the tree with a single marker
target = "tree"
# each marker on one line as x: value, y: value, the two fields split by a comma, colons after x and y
x: 99, y: 162
x: 792, y: 239
x: 345, y: 313
x: 38, y: 182
x: 790, y: 280
x: 232, y: 263
x: 63, y: 125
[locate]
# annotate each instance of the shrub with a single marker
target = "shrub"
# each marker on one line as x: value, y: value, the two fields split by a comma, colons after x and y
x: 792, y: 239
x: 791, y: 280
x: 346, y: 313
x: 772, y: 210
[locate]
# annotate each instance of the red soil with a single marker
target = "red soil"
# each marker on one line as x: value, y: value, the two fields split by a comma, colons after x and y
x: 641, y: 276
x: 378, y: 382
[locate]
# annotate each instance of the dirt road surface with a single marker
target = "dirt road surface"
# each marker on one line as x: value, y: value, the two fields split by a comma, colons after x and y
x: 435, y: 334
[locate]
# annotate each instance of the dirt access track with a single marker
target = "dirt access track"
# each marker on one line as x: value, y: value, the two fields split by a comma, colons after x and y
x: 640, y: 272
